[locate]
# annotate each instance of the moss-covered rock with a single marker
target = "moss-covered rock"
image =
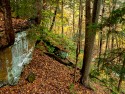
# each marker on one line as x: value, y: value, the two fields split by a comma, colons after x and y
x: 31, y: 77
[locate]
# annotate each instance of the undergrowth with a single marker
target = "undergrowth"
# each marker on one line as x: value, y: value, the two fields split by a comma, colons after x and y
x: 52, y: 40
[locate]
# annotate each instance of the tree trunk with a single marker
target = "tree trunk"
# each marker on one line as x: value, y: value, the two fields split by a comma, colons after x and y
x: 62, y: 18
x: 54, y: 17
x: 121, y: 74
x: 87, y: 49
x: 44, y: 8
x: 100, y: 37
x: 8, y: 22
x: 73, y: 18
x: 89, y: 39
x: 38, y: 8
x: 41, y: 19
x: 79, y: 37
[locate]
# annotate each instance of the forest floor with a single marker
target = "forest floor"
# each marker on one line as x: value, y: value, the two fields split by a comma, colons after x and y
x: 51, y: 77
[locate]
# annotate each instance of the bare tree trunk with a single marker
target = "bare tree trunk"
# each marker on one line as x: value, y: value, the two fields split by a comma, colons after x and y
x: 100, y: 37
x: 79, y: 37
x: 62, y: 17
x: 114, y: 26
x: 73, y: 17
x: 8, y: 22
x: 41, y: 19
x: 87, y: 50
x: 106, y: 46
x: 77, y: 54
x: 100, y: 49
x: 80, y: 24
x: 44, y: 7
x: 89, y: 40
x: 121, y: 74
x: 54, y: 17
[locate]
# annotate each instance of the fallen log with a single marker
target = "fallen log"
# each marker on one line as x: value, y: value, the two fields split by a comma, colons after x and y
x: 65, y: 61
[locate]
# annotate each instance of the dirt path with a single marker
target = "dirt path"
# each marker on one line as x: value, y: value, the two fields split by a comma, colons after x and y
x: 51, y: 78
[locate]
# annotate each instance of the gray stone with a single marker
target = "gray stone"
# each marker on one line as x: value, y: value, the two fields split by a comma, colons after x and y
x: 13, y: 59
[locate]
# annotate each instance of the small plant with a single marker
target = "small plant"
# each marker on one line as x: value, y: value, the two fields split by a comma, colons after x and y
x: 71, y: 89
x: 50, y: 48
x: 31, y: 77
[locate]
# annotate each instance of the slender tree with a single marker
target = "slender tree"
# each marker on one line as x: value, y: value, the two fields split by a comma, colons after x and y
x: 62, y: 15
x: 87, y: 56
x: 89, y: 39
x: 42, y: 17
x: 100, y: 36
x: 73, y: 17
x: 44, y: 8
x: 121, y: 77
x: 79, y: 37
x: 54, y: 17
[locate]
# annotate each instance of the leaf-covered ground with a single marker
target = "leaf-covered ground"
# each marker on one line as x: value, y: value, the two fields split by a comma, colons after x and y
x: 51, y: 78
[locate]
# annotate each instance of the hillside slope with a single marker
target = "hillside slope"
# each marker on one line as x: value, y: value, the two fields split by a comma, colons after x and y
x: 51, y: 77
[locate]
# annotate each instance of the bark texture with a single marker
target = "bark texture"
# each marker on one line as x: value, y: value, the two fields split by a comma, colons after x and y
x: 89, y: 40
x: 8, y: 22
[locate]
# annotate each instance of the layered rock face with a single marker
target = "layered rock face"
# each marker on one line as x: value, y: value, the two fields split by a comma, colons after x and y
x: 13, y: 58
